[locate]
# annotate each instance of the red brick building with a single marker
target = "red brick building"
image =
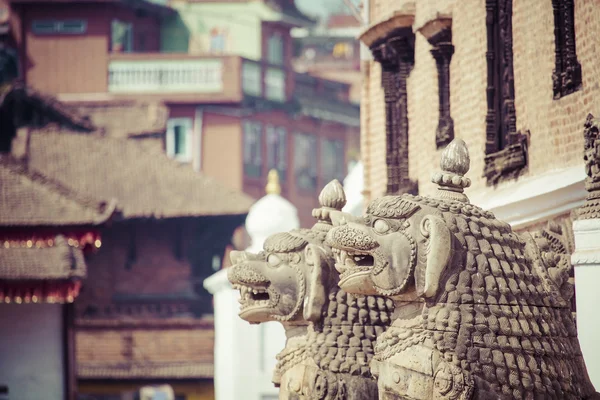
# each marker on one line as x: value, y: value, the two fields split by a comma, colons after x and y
x: 514, y: 80
x: 47, y: 231
x: 142, y: 298
x: 231, y: 117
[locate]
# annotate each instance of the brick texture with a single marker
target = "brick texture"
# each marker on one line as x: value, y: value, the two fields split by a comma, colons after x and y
x: 556, y: 125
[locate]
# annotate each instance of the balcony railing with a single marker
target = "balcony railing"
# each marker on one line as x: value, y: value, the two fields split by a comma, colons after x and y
x: 214, y: 78
x: 185, y: 75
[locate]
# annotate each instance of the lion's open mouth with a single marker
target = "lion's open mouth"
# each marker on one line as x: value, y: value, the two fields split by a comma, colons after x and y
x: 253, y: 296
x: 349, y: 262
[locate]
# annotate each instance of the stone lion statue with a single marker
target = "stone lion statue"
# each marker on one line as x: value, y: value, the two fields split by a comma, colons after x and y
x: 481, y: 312
x: 330, y: 334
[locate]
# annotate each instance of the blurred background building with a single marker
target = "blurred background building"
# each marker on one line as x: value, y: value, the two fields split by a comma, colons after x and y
x: 144, y: 131
x: 135, y: 135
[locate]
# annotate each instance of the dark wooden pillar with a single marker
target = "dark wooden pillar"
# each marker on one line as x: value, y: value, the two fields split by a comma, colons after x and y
x: 442, y: 52
x: 566, y: 77
x: 70, y: 370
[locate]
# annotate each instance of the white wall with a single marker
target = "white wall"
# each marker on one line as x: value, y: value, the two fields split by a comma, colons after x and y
x: 244, y: 353
x: 31, y: 351
x: 586, y: 261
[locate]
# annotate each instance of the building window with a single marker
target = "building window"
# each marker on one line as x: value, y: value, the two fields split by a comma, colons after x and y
x: 277, y: 150
x: 333, y: 160
x: 179, y: 139
x: 566, y: 77
x: 121, y: 36
x: 505, y: 148
x: 305, y: 161
x: 66, y: 27
x: 251, y: 79
x: 275, y: 84
x: 275, y: 49
x: 253, y: 149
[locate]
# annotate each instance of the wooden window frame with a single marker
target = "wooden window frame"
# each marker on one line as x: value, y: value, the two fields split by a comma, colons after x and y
x: 59, y: 27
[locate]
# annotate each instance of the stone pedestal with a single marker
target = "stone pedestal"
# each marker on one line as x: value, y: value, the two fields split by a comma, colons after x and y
x: 586, y: 261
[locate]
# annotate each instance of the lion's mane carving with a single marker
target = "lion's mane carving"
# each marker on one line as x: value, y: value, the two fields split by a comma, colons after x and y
x: 499, y: 319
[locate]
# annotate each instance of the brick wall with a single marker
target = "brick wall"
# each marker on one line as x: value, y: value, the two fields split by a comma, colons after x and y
x: 171, y: 260
x: 556, y: 126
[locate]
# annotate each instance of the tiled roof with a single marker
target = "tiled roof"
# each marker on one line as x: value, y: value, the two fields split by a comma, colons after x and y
x: 171, y: 370
x: 146, y: 184
x: 59, y: 261
x: 28, y: 198
x: 159, y: 351
x: 142, y: 117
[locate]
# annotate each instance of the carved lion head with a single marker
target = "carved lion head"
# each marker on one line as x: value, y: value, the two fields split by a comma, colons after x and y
x: 400, y: 244
x: 287, y: 281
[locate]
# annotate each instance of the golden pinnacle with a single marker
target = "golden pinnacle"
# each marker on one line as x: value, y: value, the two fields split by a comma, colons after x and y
x: 273, y: 186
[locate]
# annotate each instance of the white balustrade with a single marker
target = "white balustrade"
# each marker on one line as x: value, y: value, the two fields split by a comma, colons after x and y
x: 158, y: 76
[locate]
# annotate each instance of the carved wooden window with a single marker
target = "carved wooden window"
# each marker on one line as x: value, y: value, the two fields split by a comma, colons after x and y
x: 505, y: 148
x: 277, y: 150
x: 396, y: 56
x: 566, y: 77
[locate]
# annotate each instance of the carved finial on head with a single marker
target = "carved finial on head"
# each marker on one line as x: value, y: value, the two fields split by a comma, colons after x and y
x: 333, y: 195
x: 273, y: 186
x: 455, y: 163
x: 332, y: 198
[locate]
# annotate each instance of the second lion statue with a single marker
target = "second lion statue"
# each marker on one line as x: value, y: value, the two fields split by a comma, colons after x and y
x: 330, y: 334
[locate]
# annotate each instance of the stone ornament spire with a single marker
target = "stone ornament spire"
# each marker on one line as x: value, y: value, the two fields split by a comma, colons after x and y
x: 455, y: 163
x: 270, y: 214
x: 331, y: 199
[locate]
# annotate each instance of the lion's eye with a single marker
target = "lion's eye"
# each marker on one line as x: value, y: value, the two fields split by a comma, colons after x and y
x: 273, y: 260
x: 381, y: 226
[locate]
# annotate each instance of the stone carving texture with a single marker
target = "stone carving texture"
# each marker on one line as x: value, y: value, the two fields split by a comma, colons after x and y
x: 480, y: 311
x: 395, y: 53
x: 331, y: 334
x: 591, y: 157
x: 566, y: 77
x: 505, y: 148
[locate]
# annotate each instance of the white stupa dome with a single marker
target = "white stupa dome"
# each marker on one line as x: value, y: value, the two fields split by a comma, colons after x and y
x: 271, y: 214
x: 354, y: 186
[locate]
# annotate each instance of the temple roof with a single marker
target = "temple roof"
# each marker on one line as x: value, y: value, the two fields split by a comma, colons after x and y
x: 42, y: 108
x: 57, y: 261
x: 28, y: 198
x: 144, y: 181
